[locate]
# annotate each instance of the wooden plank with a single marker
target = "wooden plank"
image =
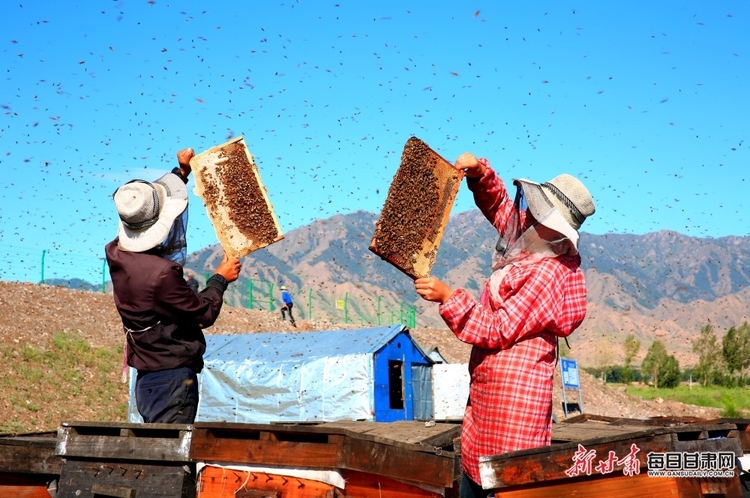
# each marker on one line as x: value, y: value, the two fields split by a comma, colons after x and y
x: 700, y: 488
x: 551, y: 463
x: 407, y: 434
x: 675, y: 421
x: 24, y: 491
x: 29, y: 455
x: 640, y: 432
x: 283, y: 431
x: 366, y: 485
x: 311, y: 447
x: 217, y: 482
x: 644, y: 422
x: 719, y: 437
x: 684, y: 433
x: 585, y: 417
x: 639, y: 486
x: 86, y: 426
x: 587, y: 430
x: 745, y: 437
x: 90, y: 479
x: 207, y: 447
x: 164, y: 443
x: 724, y: 445
x: 743, y: 428
x: 24, y: 486
x: 399, y: 463
x: 590, y: 430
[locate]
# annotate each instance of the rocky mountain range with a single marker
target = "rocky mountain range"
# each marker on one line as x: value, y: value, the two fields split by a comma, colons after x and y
x: 661, y: 285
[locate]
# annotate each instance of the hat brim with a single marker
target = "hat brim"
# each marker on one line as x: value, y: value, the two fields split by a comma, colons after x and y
x: 173, y: 198
x: 545, y: 210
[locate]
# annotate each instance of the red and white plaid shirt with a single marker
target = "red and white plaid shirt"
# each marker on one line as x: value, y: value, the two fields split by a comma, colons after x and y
x: 513, y: 355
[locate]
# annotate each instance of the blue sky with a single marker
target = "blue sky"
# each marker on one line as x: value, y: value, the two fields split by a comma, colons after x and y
x: 646, y: 102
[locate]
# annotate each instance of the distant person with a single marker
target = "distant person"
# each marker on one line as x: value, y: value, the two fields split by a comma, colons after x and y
x: 535, y: 295
x: 192, y: 282
x: 161, y: 315
x: 288, y: 305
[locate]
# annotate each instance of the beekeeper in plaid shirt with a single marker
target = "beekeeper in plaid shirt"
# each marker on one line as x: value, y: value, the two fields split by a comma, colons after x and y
x: 535, y: 295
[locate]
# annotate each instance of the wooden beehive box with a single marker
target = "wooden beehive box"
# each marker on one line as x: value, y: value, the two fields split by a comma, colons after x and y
x: 416, y: 210
x: 402, y: 459
x: 619, y: 451
x: 228, y: 181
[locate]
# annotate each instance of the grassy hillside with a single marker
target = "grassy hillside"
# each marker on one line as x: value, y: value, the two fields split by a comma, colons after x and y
x: 68, y: 379
x: 61, y: 360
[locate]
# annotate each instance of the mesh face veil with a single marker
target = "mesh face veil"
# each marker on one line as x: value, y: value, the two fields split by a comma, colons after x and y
x: 517, y: 246
x: 516, y: 241
x: 174, y: 247
x: 514, y: 226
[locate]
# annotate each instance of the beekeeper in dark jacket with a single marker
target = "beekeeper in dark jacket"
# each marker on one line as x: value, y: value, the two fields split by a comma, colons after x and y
x: 162, y: 317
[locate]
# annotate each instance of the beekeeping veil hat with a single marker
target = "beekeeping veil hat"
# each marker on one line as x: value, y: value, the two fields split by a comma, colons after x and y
x: 148, y: 210
x: 561, y: 204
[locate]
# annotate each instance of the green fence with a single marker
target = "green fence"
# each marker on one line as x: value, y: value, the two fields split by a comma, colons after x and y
x: 251, y: 300
x: 25, y: 264
x: 340, y: 308
x: 91, y: 273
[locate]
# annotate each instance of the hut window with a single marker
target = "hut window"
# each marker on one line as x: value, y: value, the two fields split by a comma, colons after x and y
x: 396, y: 384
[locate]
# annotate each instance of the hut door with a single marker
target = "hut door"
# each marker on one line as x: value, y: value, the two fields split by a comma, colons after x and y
x: 391, y: 396
x: 421, y: 382
x: 396, y: 384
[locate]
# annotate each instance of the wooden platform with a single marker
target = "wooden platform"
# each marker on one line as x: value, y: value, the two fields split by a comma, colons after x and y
x: 399, y: 459
x: 590, y: 457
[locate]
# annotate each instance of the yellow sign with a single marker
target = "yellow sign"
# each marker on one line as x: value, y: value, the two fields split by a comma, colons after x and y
x: 340, y: 304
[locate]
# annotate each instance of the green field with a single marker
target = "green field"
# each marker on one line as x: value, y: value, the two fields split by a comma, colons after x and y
x: 734, y: 401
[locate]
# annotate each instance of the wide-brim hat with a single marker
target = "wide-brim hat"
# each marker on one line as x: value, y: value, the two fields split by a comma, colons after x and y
x: 561, y: 204
x: 148, y: 210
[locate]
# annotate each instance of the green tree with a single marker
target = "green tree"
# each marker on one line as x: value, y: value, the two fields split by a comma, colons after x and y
x: 631, y: 346
x: 652, y: 363
x: 707, y: 348
x: 669, y: 373
x: 735, y: 348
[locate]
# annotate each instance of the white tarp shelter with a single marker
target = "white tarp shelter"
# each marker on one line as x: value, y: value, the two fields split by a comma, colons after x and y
x: 378, y: 373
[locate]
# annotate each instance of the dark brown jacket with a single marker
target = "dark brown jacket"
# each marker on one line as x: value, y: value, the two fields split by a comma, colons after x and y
x: 162, y: 317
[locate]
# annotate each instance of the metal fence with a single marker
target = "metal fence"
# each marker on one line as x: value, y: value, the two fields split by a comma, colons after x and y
x: 90, y: 273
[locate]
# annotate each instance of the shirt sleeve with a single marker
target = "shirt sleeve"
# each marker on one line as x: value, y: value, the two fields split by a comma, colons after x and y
x: 182, y: 305
x: 177, y: 171
x: 491, y: 197
x: 546, y: 296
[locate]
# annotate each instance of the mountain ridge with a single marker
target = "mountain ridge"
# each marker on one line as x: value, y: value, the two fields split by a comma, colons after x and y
x: 661, y: 285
